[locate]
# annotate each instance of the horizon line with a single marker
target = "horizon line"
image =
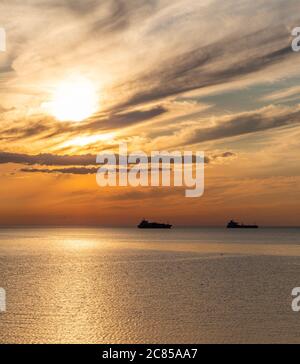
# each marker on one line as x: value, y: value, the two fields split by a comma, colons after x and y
x: 9, y: 226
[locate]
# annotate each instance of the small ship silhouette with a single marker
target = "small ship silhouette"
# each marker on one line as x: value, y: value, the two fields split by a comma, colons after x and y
x: 144, y: 224
x: 235, y: 225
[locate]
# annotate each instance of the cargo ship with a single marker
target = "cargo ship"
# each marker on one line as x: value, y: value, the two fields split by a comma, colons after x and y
x: 144, y: 224
x: 235, y: 225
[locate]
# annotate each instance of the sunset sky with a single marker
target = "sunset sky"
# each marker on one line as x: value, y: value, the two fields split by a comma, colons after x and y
x: 211, y: 75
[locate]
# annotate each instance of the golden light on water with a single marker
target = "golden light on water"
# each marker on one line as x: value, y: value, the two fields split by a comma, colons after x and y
x: 74, y: 100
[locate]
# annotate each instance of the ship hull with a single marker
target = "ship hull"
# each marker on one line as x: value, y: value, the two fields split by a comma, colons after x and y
x: 145, y: 224
x: 155, y: 227
x: 235, y: 225
x: 242, y: 227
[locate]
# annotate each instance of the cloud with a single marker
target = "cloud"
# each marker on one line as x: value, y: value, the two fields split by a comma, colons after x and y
x: 35, y: 130
x: 49, y: 129
x: 48, y: 159
x: 267, y: 118
x: 286, y: 94
x: 151, y: 49
x: 74, y: 170
x: 214, y: 65
x: 79, y: 165
x: 123, y: 120
x: 142, y: 55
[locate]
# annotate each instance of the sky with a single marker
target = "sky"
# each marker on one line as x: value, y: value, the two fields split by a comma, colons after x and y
x: 207, y: 75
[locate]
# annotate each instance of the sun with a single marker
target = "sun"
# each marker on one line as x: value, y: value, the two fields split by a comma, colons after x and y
x: 74, y: 100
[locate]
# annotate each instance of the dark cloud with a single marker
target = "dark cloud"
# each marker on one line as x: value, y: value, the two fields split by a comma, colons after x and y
x: 222, y: 156
x: 73, y: 170
x: 48, y: 159
x: 226, y: 155
x: 246, y: 123
x: 16, y: 133
x: 218, y: 63
x: 46, y: 129
x: 77, y: 170
x: 123, y: 120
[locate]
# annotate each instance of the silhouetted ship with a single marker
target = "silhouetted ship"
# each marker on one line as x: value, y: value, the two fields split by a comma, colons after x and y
x: 153, y: 225
x: 234, y: 225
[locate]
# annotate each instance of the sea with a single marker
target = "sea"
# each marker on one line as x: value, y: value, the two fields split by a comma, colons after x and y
x: 125, y: 285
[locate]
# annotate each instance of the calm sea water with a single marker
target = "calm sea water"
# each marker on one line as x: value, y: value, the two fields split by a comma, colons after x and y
x: 131, y: 286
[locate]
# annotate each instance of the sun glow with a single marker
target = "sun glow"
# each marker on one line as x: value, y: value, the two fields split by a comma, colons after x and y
x: 82, y: 141
x: 74, y: 100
